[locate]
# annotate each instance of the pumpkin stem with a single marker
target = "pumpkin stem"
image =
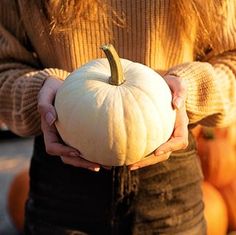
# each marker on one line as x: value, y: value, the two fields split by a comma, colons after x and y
x: 117, y: 76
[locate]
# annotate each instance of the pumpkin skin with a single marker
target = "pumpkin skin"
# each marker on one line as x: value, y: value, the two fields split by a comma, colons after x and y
x: 17, y: 196
x: 218, y: 160
x: 229, y: 194
x: 215, y: 210
x: 114, y: 125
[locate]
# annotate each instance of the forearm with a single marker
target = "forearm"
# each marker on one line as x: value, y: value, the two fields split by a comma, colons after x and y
x: 19, y: 88
x: 211, y: 96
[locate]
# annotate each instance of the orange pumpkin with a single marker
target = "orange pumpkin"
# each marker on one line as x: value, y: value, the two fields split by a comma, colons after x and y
x: 229, y: 194
x: 17, y: 196
x: 232, y: 233
x: 215, y: 211
x: 228, y: 133
x: 196, y: 131
x: 218, y: 159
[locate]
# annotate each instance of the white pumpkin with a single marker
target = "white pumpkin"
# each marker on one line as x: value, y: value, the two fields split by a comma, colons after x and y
x: 114, y: 113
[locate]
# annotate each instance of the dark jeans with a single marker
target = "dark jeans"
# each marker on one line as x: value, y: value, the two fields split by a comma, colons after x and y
x: 160, y: 199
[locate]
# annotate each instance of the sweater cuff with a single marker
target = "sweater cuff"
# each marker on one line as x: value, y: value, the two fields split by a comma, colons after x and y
x: 42, y: 75
x: 53, y: 72
x: 202, y: 91
x: 28, y: 122
x: 39, y: 77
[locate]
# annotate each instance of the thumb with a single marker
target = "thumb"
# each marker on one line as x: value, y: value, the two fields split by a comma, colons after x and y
x: 178, y: 102
x: 178, y: 88
x: 46, y: 98
x: 50, y: 115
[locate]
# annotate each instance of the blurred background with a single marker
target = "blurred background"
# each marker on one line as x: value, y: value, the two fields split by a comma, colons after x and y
x: 217, y: 154
x: 15, y: 153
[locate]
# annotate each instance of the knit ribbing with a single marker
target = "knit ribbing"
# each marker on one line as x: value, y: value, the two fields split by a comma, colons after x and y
x: 18, y: 96
x: 149, y: 36
x: 211, y: 98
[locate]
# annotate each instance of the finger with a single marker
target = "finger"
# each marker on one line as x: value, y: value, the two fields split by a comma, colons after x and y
x: 177, y: 85
x: 50, y: 116
x: 46, y: 95
x: 46, y: 98
x: 54, y: 146
x: 178, y: 102
x: 179, y: 139
x: 179, y: 90
x: 80, y: 162
x: 47, y: 111
x: 151, y: 160
x: 174, y: 144
x: 58, y: 149
x: 107, y: 167
x: 49, y: 90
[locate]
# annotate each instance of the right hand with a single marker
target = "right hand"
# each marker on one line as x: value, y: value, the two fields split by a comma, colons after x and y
x: 52, y: 140
x: 179, y: 137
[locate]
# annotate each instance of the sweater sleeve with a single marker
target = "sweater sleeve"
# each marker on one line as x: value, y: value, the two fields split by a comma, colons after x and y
x: 20, y: 81
x: 211, y: 93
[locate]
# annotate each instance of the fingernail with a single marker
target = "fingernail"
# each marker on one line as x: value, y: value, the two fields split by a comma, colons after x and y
x: 50, y: 118
x: 107, y: 167
x: 178, y: 102
x: 97, y: 169
x: 134, y: 168
x: 159, y: 153
x: 75, y: 154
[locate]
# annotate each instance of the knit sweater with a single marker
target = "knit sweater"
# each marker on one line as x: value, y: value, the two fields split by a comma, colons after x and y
x: 31, y: 53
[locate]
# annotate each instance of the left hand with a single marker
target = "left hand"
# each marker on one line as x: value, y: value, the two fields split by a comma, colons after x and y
x: 179, y: 138
x: 53, y: 143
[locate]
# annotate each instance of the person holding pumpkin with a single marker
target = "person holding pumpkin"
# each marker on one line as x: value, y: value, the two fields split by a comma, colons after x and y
x: 191, y: 43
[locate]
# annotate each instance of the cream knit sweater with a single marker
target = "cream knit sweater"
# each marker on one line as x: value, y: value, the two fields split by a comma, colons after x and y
x: 29, y: 54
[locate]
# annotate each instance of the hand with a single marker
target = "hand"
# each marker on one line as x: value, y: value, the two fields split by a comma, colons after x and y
x: 52, y: 140
x: 179, y: 138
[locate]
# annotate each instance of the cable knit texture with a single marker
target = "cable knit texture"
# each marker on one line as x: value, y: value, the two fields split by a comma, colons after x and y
x: 30, y: 53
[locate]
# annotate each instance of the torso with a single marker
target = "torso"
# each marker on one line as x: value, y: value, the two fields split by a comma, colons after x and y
x: 148, y: 37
